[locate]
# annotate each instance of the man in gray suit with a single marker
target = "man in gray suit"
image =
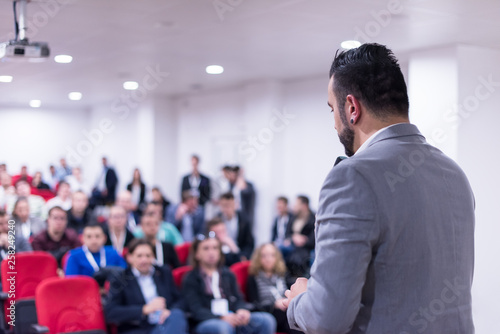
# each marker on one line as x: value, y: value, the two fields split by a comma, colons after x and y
x: 395, y: 225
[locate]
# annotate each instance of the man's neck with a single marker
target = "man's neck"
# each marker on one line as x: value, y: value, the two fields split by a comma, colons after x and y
x: 55, y: 236
x: 367, y: 130
x: 207, y: 269
x: 78, y: 213
x: 117, y: 232
x: 151, y: 239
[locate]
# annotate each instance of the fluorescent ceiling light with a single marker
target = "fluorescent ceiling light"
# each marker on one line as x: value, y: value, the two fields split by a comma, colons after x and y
x: 130, y: 85
x: 350, y: 44
x: 75, y: 96
x: 5, y: 78
x: 63, y: 59
x: 35, y: 103
x: 214, y: 69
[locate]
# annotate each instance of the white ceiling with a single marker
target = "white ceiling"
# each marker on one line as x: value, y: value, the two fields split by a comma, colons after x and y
x: 116, y: 40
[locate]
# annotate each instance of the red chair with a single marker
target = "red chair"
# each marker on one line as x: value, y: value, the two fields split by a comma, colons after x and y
x: 68, y: 305
x: 179, y: 273
x: 30, y: 269
x: 182, y: 251
x: 64, y: 260
x: 240, y: 270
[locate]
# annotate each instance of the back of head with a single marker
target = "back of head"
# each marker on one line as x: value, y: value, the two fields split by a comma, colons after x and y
x: 371, y: 73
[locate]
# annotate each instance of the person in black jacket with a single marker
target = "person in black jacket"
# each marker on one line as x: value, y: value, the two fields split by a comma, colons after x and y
x: 266, y: 284
x: 138, y: 190
x: 104, y: 192
x: 164, y: 251
x: 213, y: 297
x: 197, y: 182
x: 144, y: 299
x: 238, y: 226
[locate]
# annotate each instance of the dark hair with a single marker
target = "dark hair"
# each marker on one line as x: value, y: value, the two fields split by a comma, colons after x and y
x: 195, y: 156
x: 227, y: 195
x: 187, y: 194
x: 283, y: 199
x: 196, y: 244
x: 304, y: 199
x: 214, y: 222
x: 94, y: 224
x: 371, y: 73
x: 134, y: 243
x: 19, y: 200
x: 57, y: 207
x: 3, y: 213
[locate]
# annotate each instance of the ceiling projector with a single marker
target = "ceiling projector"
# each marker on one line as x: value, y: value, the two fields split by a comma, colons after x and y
x: 23, y: 49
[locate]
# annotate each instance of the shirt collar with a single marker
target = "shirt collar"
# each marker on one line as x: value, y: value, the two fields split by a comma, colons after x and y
x: 138, y: 274
x: 370, y: 139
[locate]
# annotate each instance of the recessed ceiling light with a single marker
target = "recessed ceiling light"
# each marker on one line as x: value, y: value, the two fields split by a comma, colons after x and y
x: 130, y: 85
x: 63, y: 59
x: 350, y: 44
x: 214, y: 69
x: 35, y: 103
x: 75, y: 96
x: 5, y: 78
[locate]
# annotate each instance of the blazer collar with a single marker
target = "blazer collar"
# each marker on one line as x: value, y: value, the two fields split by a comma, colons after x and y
x: 397, y: 131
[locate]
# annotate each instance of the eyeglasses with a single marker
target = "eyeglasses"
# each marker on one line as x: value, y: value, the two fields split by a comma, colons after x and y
x: 210, y: 235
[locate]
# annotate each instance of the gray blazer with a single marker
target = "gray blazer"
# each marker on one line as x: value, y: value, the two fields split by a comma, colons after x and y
x: 394, y: 243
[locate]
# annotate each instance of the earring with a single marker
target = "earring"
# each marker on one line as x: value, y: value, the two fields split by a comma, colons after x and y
x: 352, y: 120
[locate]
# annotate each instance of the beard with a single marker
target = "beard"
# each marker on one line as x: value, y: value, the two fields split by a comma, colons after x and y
x: 346, y: 138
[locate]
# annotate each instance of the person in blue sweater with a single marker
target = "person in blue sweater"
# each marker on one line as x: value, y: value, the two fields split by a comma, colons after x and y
x: 93, y: 255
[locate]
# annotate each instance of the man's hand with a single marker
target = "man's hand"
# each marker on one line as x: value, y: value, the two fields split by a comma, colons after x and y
x: 279, y: 304
x: 243, y: 317
x: 156, y: 304
x: 231, y: 319
x: 297, y: 288
x: 299, y: 240
x: 182, y: 209
x: 164, y: 316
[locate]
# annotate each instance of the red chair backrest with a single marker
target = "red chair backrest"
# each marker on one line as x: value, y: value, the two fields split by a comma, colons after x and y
x: 31, y: 268
x: 182, y: 251
x: 64, y: 260
x: 179, y: 273
x: 240, y: 270
x: 71, y: 304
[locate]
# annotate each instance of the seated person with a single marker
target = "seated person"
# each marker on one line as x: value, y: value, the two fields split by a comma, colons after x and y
x: 144, y: 298
x: 266, y: 284
x: 213, y: 296
x: 79, y: 215
x: 56, y: 239
x: 164, y: 252
x: 15, y: 243
x: 299, y: 242
x: 238, y: 226
x: 281, y: 221
x: 167, y: 233
x: 38, y: 183
x: 124, y: 199
x: 93, y: 255
x: 117, y: 233
x: 25, y: 225
x: 188, y: 216
x: 36, y: 203
x: 63, y: 198
x: 231, y: 251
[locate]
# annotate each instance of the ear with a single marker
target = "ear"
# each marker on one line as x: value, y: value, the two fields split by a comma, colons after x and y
x: 353, y: 109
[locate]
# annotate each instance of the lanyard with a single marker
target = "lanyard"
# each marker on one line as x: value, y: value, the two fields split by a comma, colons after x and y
x: 91, y: 259
x: 159, y: 253
x: 215, y: 285
x: 116, y: 243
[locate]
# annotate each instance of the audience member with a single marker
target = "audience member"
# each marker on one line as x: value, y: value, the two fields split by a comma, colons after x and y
x: 164, y: 251
x: 9, y: 240
x: 167, y: 233
x: 138, y: 190
x: 93, y: 255
x: 104, y: 192
x: 144, y: 298
x: 197, y: 182
x: 26, y: 225
x: 79, y: 215
x: 124, y: 199
x: 77, y: 182
x: 38, y: 183
x: 242, y: 190
x: 232, y: 253
x: 299, y: 242
x: 158, y: 197
x: 63, y: 170
x: 187, y: 216
x: 56, y: 239
x: 7, y: 191
x: 52, y: 179
x: 266, y: 284
x: 36, y: 203
x: 23, y: 176
x: 213, y: 297
x: 281, y: 221
x: 63, y: 198
x: 238, y: 226
x: 117, y: 233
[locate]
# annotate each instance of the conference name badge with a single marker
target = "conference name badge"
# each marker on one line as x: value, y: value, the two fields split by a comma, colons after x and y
x: 220, y: 307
